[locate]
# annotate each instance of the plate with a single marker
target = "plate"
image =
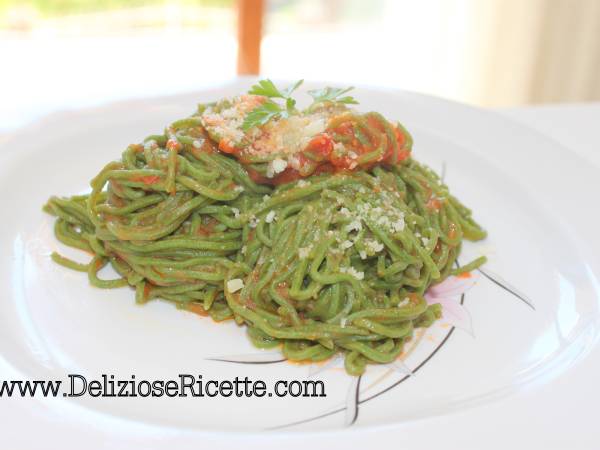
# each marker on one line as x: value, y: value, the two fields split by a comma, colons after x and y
x: 519, y: 327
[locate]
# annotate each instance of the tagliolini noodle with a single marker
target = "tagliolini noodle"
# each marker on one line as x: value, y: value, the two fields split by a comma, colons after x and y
x: 325, y: 249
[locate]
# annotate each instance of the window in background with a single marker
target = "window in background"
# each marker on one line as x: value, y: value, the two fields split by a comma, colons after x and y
x: 486, y: 52
x: 72, y: 53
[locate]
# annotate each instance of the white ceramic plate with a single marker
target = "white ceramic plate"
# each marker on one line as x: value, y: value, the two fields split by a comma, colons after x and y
x: 493, y: 368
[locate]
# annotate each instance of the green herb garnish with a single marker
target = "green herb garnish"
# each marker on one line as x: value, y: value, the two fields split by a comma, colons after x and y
x: 268, y: 89
x: 330, y: 94
x: 270, y: 109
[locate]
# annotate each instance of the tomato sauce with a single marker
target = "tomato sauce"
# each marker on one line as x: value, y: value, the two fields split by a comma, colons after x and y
x: 351, y: 143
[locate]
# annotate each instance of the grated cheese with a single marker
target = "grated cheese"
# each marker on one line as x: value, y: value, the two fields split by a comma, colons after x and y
x: 352, y: 271
x: 303, y: 252
x: 355, y: 225
x: 279, y: 165
x: 282, y: 136
x: 270, y: 217
x: 235, y: 285
x: 404, y: 302
x: 253, y: 221
x: 346, y: 244
x: 373, y: 245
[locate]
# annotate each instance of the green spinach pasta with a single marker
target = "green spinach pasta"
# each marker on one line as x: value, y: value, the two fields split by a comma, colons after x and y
x: 314, y: 229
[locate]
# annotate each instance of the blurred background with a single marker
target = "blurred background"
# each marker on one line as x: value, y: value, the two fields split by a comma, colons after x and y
x: 59, y: 54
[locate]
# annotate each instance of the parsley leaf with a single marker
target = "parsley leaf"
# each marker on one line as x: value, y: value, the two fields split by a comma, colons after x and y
x: 261, y: 115
x: 330, y: 94
x: 270, y: 110
x: 268, y: 89
x: 291, y: 88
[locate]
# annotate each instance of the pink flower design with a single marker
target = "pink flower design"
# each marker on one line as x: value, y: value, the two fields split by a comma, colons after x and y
x: 448, y: 294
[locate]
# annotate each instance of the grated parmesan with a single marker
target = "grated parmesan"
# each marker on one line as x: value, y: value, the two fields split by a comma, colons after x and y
x: 270, y: 217
x: 373, y: 245
x: 355, y: 225
x: 253, y: 221
x: 346, y: 244
x: 276, y: 166
x: 303, y: 252
x: 404, y: 302
x: 235, y: 285
x: 352, y: 271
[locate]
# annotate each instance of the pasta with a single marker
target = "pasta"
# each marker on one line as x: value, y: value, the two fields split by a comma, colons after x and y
x: 323, y: 242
